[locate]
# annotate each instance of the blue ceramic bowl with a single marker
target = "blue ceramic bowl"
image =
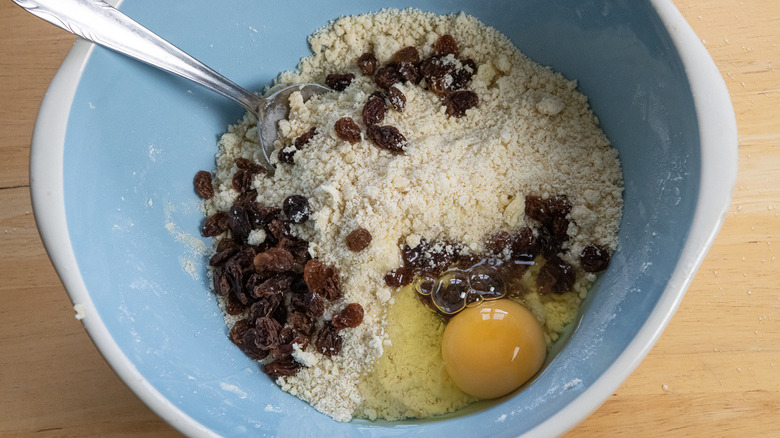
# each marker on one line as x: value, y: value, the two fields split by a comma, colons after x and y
x: 117, y: 144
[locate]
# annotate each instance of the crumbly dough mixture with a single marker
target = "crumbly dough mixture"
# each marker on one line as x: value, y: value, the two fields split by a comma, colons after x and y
x: 459, y: 179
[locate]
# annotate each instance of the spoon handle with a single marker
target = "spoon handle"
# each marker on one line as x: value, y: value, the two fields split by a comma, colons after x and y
x: 101, y: 23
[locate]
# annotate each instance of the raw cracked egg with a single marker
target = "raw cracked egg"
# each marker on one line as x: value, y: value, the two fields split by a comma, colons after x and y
x: 491, y: 349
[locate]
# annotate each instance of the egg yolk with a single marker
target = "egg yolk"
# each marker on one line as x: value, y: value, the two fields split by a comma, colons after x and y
x: 491, y: 349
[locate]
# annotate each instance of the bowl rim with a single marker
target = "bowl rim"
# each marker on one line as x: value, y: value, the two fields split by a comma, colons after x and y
x: 718, y: 139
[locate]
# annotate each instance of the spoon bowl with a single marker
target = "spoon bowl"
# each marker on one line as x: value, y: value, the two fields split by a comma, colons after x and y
x: 274, y: 108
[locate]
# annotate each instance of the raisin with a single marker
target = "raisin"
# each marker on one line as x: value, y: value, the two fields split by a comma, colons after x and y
x: 386, y: 76
x: 437, y: 266
x: 350, y: 317
x: 556, y: 276
x: 433, y: 258
x: 234, y: 306
x: 246, y: 164
x: 374, y: 111
x: 407, y: 54
x: 460, y: 101
x: 302, y: 340
x: 238, y: 222
x: 296, y: 207
x: 499, y: 242
x: 274, y: 260
x: 242, y: 180
x: 322, y: 279
x: 358, y: 239
x: 226, y: 243
x: 386, y: 137
x: 250, y: 347
x: 409, y: 72
x: 446, y: 45
x: 284, y: 348
x: 434, y: 66
x: 286, y: 335
x: 397, y: 99
x: 443, y: 259
x: 203, y: 186
x: 548, y: 246
x: 221, y: 284
x: 256, y: 279
x: 339, y: 82
x: 347, y: 130
x: 235, y: 279
x: 546, y: 210
x: 460, y: 78
x: 536, y: 208
x: 309, y: 303
x: 331, y: 289
x: 222, y: 256
x: 276, y: 285
x: 378, y: 93
x: 407, y: 60
x: 237, y: 332
x: 467, y: 261
x: 264, y: 215
x: 559, y: 229
x: 246, y: 199
x: 279, y: 229
x: 525, y: 245
x: 328, y: 340
x: 287, y: 155
x: 367, y: 63
x: 398, y: 277
x: 282, y: 351
x: 413, y: 257
x: 282, y: 367
x: 244, y: 257
x: 594, y: 258
x: 301, y: 322
x: 438, y: 85
x: 299, y: 249
x: 438, y: 74
x: 289, y: 337
x: 304, y: 138
x: 265, y: 307
x: 514, y: 269
x: 267, y: 333
x: 551, y: 212
x: 253, y: 279
x: 215, y: 225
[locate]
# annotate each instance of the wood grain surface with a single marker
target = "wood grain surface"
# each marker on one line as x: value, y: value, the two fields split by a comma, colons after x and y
x: 714, y: 372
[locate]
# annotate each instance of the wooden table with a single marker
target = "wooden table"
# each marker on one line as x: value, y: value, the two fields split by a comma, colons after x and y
x: 714, y: 372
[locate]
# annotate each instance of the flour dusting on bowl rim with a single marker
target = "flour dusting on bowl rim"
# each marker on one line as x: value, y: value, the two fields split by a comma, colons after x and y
x: 718, y: 140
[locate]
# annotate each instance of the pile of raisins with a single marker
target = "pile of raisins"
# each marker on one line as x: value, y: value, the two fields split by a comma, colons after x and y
x: 442, y: 271
x: 279, y: 289
x: 441, y: 77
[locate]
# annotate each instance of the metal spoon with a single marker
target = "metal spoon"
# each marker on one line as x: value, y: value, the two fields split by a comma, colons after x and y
x: 101, y: 23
